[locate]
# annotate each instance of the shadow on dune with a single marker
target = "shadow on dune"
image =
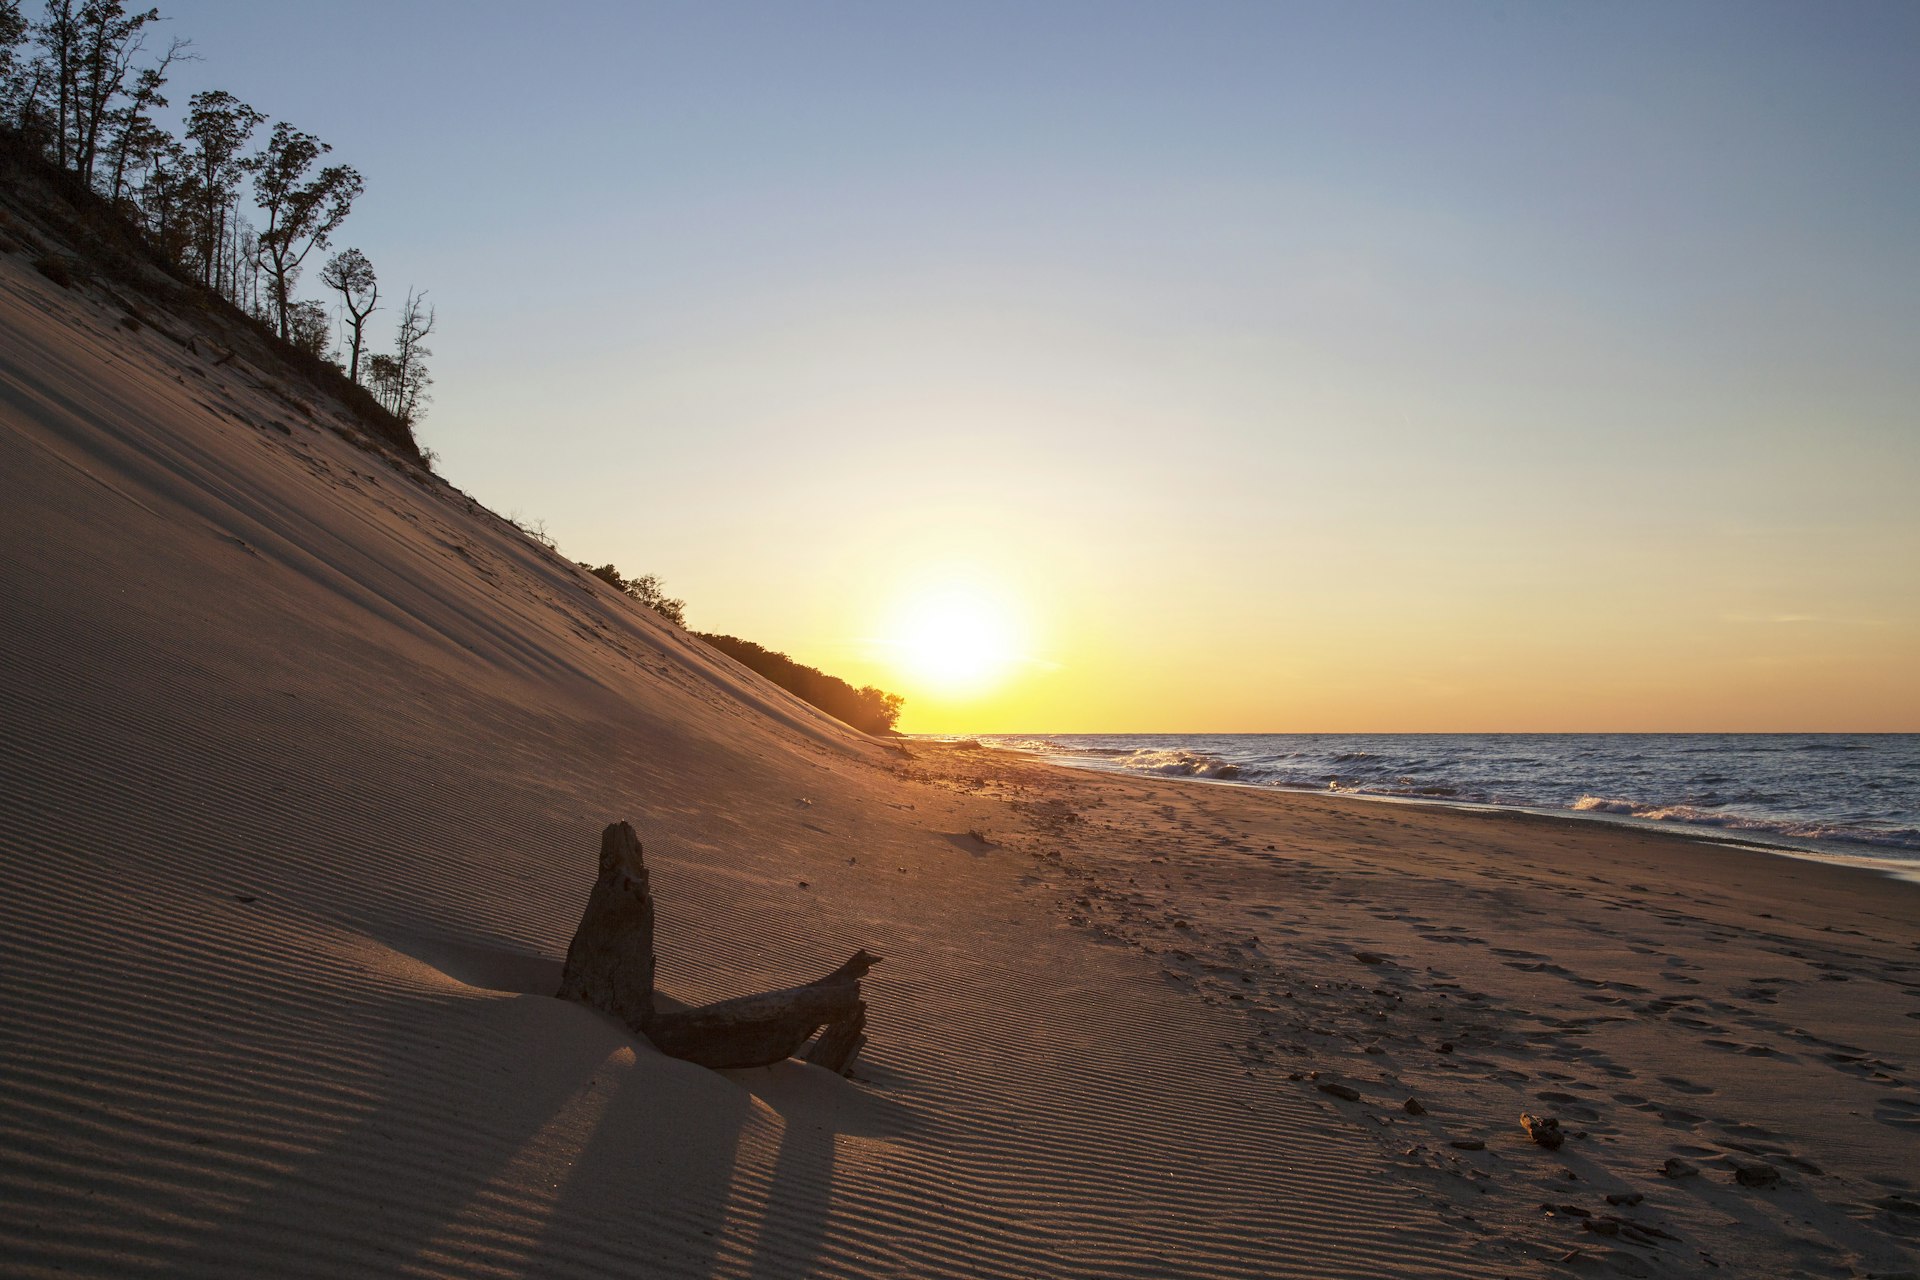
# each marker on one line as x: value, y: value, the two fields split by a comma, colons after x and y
x: 517, y: 1134
x: 511, y: 1131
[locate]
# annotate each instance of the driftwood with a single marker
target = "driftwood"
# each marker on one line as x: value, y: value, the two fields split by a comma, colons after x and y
x: 755, y: 1030
x: 610, y: 960
x: 610, y: 967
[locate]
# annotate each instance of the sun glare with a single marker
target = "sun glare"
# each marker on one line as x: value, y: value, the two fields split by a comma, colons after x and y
x: 954, y: 639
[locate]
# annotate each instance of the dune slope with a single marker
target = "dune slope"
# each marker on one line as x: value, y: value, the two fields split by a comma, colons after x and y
x: 305, y: 759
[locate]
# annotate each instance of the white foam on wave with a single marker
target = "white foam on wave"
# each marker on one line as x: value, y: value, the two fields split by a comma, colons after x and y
x: 1178, y: 763
x: 1895, y: 838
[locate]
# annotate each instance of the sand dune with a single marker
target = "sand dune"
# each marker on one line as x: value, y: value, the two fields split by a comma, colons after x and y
x: 305, y: 758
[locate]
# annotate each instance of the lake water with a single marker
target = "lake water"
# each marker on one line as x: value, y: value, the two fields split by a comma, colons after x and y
x: 1856, y: 795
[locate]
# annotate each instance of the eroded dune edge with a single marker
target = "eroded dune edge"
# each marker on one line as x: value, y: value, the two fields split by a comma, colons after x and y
x: 305, y: 759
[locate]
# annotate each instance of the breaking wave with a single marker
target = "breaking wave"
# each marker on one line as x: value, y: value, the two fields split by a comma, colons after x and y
x: 1180, y: 764
x: 1694, y: 815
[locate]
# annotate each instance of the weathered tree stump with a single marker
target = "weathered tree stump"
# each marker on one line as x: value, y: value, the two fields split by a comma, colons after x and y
x: 610, y: 960
x: 610, y: 967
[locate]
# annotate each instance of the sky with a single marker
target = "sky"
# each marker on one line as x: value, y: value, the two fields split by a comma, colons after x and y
x: 1186, y: 366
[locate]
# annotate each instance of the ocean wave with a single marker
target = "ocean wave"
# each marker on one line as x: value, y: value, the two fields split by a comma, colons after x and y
x: 1179, y: 763
x: 1039, y: 746
x: 1693, y: 815
x: 1409, y: 788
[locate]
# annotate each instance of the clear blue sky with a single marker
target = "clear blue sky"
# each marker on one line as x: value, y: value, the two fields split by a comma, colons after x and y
x: 1440, y: 365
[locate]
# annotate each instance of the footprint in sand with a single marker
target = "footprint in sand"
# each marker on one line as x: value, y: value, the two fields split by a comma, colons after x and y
x: 1569, y: 1106
x: 1745, y: 1130
x: 1684, y: 1086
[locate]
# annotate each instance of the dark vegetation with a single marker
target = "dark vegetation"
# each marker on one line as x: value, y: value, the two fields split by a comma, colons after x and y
x: 646, y: 589
x: 869, y: 710
x: 81, y: 96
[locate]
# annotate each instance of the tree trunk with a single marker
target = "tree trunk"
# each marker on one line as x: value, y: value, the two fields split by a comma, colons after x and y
x: 610, y: 961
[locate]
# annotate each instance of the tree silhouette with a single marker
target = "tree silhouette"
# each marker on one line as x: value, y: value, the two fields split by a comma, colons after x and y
x: 74, y: 91
x: 350, y: 274
x: 647, y: 589
x: 867, y: 709
x: 218, y: 124
x: 108, y: 38
x: 135, y: 136
x: 13, y: 34
x: 410, y: 352
x: 302, y: 212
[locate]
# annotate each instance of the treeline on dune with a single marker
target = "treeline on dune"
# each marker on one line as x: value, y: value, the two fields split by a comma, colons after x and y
x: 867, y: 709
x: 233, y: 222
x: 83, y: 89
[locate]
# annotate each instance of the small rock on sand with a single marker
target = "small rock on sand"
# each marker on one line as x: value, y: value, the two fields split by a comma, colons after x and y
x: 1675, y: 1167
x: 1412, y: 1107
x: 1369, y: 957
x: 1340, y: 1091
x: 1628, y: 1198
x: 1544, y: 1130
x: 1467, y: 1144
x: 1755, y: 1173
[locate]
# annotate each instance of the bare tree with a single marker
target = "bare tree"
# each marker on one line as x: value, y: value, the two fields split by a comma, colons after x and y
x: 399, y: 381
x: 302, y: 212
x: 350, y: 274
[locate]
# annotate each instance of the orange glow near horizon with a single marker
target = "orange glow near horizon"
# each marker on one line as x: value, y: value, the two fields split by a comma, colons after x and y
x: 952, y: 639
x: 992, y: 643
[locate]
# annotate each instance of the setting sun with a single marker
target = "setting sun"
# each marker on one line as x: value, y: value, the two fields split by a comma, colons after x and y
x: 953, y: 639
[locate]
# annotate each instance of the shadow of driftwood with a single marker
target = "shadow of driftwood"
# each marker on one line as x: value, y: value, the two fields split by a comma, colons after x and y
x: 442, y: 1147
x: 816, y: 1109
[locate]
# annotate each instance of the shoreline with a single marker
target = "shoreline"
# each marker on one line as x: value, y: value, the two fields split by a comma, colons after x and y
x: 1692, y: 1016
x: 1902, y: 868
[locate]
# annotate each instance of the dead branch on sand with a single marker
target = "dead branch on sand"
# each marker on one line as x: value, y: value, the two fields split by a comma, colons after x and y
x: 610, y: 966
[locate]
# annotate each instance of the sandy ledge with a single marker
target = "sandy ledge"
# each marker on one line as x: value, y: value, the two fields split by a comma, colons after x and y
x: 304, y: 765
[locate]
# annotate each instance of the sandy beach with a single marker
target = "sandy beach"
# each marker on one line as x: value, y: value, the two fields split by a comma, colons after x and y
x: 306, y: 758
